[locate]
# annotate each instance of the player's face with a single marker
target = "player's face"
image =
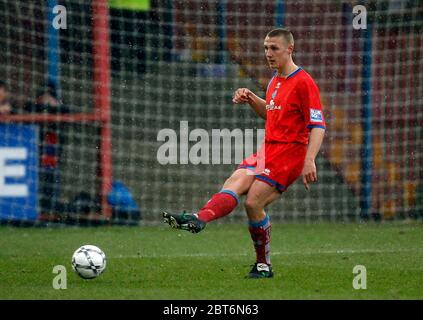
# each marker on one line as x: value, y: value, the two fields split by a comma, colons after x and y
x: 277, y: 51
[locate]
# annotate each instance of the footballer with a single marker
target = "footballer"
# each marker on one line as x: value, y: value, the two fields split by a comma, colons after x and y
x: 294, y: 132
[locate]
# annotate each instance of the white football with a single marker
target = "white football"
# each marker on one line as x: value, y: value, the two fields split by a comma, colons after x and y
x: 89, y: 261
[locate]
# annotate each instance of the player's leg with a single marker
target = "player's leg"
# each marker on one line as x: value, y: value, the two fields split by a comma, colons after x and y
x: 225, y: 201
x: 220, y: 204
x: 259, y: 196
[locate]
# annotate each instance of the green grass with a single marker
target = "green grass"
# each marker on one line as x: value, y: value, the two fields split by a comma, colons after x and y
x: 311, y: 261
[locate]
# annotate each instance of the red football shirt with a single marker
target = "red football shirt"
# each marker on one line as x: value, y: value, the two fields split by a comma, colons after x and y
x: 293, y: 108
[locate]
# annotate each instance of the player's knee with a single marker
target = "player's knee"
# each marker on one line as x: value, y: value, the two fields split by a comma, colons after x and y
x: 252, y: 205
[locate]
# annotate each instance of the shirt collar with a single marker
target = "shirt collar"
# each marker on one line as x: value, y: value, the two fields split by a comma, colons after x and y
x: 291, y: 74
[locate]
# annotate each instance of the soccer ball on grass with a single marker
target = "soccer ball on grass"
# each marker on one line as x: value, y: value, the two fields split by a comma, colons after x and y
x: 89, y: 261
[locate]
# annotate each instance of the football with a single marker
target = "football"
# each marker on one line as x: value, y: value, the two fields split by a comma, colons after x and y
x: 89, y: 261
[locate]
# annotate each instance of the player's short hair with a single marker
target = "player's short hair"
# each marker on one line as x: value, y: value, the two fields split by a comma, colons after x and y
x: 282, y: 32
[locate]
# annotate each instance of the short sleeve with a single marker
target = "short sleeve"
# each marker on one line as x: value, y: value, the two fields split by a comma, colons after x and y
x: 311, y: 106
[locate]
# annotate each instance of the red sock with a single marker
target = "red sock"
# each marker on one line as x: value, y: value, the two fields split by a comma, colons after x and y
x: 260, y: 234
x: 220, y: 205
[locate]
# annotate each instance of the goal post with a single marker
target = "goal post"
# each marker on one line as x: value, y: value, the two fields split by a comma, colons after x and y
x: 101, y: 95
x: 100, y: 115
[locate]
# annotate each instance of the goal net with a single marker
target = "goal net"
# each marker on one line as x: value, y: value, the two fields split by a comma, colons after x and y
x: 116, y: 110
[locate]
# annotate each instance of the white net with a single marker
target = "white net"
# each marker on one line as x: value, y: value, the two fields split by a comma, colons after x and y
x: 175, y: 64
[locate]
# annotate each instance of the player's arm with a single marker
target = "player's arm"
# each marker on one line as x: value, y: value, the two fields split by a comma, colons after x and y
x: 244, y: 95
x: 315, y: 141
x: 315, y: 121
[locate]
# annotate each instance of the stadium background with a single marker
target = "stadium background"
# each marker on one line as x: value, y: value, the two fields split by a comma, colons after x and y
x: 181, y: 60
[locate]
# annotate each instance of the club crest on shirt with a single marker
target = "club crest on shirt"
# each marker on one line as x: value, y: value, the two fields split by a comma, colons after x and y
x: 316, y: 115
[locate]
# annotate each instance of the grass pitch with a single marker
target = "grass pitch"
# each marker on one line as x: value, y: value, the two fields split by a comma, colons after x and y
x: 311, y: 261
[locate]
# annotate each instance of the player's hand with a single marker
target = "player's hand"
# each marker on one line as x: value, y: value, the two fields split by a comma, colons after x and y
x: 309, y: 173
x: 241, y: 95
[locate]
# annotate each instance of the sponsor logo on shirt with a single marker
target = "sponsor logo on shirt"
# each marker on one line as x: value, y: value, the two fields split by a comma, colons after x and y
x: 316, y: 115
x: 272, y: 106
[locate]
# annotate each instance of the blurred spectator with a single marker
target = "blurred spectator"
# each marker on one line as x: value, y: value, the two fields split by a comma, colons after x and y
x: 51, y: 139
x: 47, y: 101
x: 123, y: 203
x: 5, y: 104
